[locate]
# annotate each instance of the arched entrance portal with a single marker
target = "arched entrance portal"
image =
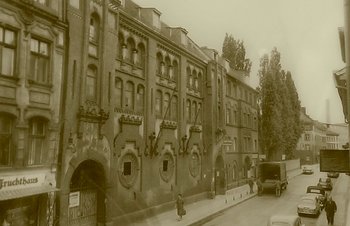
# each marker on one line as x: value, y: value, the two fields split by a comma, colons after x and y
x: 220, y: 178
x: 87, y: 195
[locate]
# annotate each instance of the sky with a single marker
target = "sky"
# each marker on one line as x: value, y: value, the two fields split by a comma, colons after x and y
x: 305, y: 32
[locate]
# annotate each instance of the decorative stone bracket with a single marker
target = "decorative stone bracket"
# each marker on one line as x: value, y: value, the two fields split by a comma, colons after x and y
x: 168, y: 125
x: 130, y: 119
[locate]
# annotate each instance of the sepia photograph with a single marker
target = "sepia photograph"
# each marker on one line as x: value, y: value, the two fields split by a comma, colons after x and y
x: 174, y: 113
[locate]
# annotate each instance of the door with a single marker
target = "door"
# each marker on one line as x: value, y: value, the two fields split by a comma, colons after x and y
x: 85, y: 214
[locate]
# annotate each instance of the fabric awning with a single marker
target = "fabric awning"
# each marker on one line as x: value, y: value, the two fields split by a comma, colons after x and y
x: 19, y: 193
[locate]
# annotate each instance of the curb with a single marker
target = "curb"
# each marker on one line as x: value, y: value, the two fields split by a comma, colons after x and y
x: 215, y: 214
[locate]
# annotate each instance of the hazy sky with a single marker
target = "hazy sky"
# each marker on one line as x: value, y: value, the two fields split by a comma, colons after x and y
x: 305, y: 32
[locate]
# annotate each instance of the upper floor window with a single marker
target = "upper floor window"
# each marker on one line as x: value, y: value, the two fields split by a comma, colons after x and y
x: 166, y: 105
x: 228, y: 114
x: 118, y: 92
x: 141, y: 55
x: 173, y: 112
x: 37, y: 134
x: 199, y: 117
x: 140, y: 98
x: 158, y: 103
x: 39, y: 61
x: 91, y: 83
x: 129, y: 95
x: 194, y: 111
x: 6, y: 147
x: 7, y: 51
x: 307, y: 137
x: 94, y: 28
x: 188, y: 110
x: 160, y: 64
x: 175, y: 71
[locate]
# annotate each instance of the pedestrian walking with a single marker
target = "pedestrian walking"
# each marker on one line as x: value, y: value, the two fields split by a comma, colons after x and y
x: 180, y: 206
x: 259, y: 185
x: 331, y: 208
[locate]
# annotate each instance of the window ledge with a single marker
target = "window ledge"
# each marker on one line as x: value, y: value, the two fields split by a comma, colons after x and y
x: 40, y: 85
x: 9, y: 78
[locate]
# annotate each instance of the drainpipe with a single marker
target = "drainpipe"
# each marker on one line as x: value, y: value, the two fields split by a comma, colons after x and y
x: 347, y: 56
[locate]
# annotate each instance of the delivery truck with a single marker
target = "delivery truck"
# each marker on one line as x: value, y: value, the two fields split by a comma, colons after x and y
x: 273, y: 176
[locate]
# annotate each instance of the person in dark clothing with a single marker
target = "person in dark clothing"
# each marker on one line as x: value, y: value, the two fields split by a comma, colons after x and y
x: 330, y: 208
x: 251, y: 184
x: 180, y: 206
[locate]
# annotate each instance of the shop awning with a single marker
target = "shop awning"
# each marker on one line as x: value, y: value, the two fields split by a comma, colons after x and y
x: 19, y: 193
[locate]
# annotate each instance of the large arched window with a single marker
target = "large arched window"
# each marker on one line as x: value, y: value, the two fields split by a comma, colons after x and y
x: 6, y: 144
x: 195, y: 80
x: 188, y: 110
x: 166, y: 105
x: 91, y: 83
x: 158, y: 103
x: 140, y: 99
x: 118, y: 92
x: 37, y: 146
x: 160, y: 63
x: 94, y: 28
x: 121, y: 46
x: 141, y: 55
x: 129, y: 95
x: 173, y: 111
x: 130, y: 49
x: 168, y: 68
x: 175, y: 71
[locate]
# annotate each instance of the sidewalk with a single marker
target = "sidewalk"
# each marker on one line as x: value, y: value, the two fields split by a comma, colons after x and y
x: 201, y: 211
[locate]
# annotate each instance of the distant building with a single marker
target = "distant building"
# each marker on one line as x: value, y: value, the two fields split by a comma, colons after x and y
x: 342, y: 130
x: 32, y: 56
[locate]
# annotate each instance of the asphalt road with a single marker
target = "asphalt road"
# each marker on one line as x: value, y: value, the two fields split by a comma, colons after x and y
x: 256, y: 211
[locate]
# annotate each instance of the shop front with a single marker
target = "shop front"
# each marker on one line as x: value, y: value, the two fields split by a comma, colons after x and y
x: 27, y: 198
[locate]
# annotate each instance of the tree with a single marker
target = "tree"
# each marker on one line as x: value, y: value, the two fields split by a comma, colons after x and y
x: 234, y: 51
x: 280, y: 126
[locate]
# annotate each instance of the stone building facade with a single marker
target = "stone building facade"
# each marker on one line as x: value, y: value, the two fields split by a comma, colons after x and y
x: 148, y: 114
x: 32, y: 54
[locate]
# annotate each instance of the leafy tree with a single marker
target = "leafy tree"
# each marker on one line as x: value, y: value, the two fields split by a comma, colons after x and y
x: 279, y: 123
x: 234, y: 51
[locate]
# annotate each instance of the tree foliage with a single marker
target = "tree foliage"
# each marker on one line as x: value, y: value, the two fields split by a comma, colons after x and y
x: 279, y: 123
x: 234, y: 51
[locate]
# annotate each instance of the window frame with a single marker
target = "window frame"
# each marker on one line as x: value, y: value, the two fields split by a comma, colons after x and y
x: 39, y: 56
x: 8, y: 135
x: 33, y: 138
x: 4, y: 45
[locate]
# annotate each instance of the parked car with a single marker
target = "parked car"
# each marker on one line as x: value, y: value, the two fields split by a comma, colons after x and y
x: 285, y: 220
x: 326, y: 183
x: 333, y: 174
x: 319, y: 192
x: 309, y: 205
x: 307, y: 169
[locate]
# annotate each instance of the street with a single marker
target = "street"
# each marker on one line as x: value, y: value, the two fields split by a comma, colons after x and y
x: 256, y: 211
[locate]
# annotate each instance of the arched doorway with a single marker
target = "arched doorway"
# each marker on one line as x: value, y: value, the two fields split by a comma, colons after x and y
x: 220, y: 177
x: 87, y: 195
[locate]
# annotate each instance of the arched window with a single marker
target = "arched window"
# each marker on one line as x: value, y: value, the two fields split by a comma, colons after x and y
x: 91, y: 83
x: 166, y: 105
x: 199, y: 117
x: 173, y: 111
x: 199, y: 82
x: 118, y: 92
x: 94, y: 28
x: 188, y: 110
x: 228, y: 114
x: 168, y: 67
x: 175, y: 71
x: 194, y: 111
x: 189, y: 77
x: 159, y: 63
x: 141, y: 55
x: 37, y: 146
x: 140, y: 99
x: 195, y: 80
x: 121, y: 47
x: 130, y: 45
x: 129, y: 95
x: 158, y: 104
x: 6, y: 144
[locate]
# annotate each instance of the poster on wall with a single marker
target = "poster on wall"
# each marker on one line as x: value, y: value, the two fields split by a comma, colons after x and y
x: 74, y: 199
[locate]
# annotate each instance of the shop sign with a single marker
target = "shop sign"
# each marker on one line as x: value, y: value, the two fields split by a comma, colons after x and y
x: 8, y: 183
x: 74, y: 199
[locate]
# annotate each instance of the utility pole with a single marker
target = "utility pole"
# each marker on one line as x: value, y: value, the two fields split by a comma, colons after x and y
x: 347, y: 56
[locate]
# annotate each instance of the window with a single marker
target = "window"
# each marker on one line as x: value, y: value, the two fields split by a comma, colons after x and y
x: 168, y: 66
x: 5, y: 140
x: 127, y: 169
x: 118, y: 92
x: 166, y: 105
x: 228, y: 114
x: 91, y: 83
x: 228, y: 88
x: 173, y: 111
x: 307, y: 137
x: 235, y: 144
x: 199, y: 110
x: 160, y: 63
x: 129, y: 95
x: 307, y: 147
x: 141, y: 55
x: 235, y: 117
x: 39, y: 61
x: 37, y: 132
x: 7, y: 51
x: 165, y: 165
x: 93, y: 29
x: 140, y: 98
x: 121, y: 47
x: 175, y: 71
x: 188, y: 110
x: 158, y: 104
x: 194, y: 111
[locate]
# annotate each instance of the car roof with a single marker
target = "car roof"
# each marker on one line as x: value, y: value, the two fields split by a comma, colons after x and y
x: 284, y: 218
x: 309, y: 197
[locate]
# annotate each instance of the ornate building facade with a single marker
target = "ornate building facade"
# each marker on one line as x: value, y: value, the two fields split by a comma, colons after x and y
x: 32, y: 54
x: 148, y: 114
